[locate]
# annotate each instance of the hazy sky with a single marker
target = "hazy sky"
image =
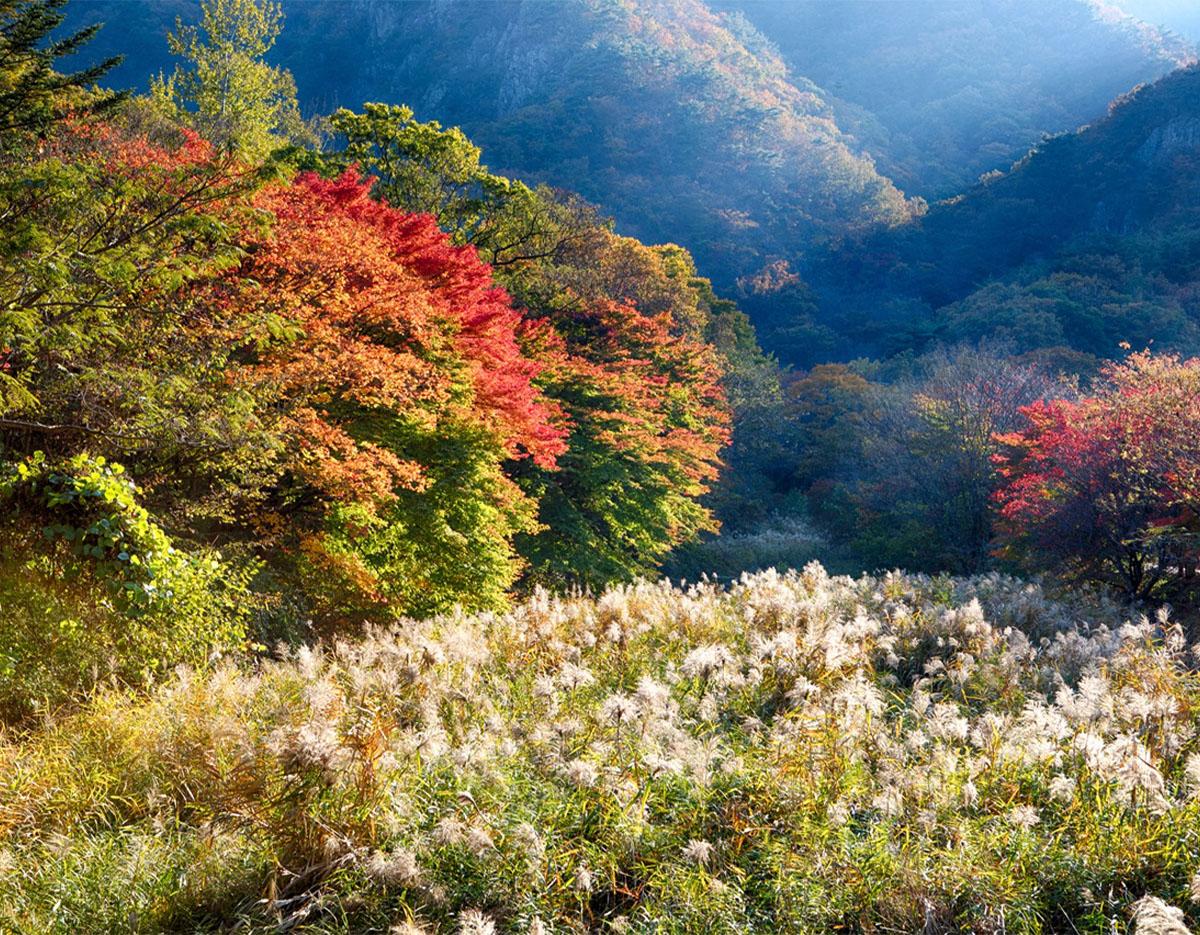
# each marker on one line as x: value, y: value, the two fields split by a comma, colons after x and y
x: 1182, y: 16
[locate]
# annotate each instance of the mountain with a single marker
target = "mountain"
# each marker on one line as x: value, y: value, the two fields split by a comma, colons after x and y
x: 748, y: 131
x: 1091, y: 240
x: 766, y: 137
x: 941, y: 91
x: 681, y: 127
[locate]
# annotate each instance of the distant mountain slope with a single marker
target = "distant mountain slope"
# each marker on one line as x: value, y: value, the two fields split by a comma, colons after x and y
x: 941, y: 91
x: 1091, y: 240
x: 695, y: 120
x: 682, y: 127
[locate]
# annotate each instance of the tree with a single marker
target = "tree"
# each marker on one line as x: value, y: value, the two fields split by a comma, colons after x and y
x: 662, y: 280
x: 395, y: 367
x: 32, y: 94
x: 944, y: 471
x: 642, y: 385
x: 101, y: 235
x: 827, y: 409
x: 903, y: 471
x: 648, y: 420
x: 622, y: 331
x: 224, y: 88
x: 426, y: 169
x: 1107, y: 488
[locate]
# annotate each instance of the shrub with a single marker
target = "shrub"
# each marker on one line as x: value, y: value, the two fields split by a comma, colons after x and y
x: 780, y: 542
x: 92, y: 587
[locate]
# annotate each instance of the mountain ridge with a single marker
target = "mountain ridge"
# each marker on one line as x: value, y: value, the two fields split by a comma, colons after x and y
x: 1106, y: 218
x: 701, y: 121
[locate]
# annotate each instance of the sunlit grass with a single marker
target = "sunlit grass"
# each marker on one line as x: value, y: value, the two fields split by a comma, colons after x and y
x: 799, y: 753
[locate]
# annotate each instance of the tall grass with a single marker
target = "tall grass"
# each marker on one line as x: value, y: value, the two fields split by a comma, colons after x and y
x: 796, y: 753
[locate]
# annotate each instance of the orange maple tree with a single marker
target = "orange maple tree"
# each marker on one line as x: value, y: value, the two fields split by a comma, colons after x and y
x: 385, y: 353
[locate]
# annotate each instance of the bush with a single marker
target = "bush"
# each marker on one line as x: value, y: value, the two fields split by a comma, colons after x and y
x: 92, y: 588
x: 780, y: 542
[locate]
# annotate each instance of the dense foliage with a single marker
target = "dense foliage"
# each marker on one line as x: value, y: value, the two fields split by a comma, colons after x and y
x: 337, y: 380
x: 621, y: 342
x: 1107, y: 488
x: 101, y: 227
x: 335, y: 391
x: 33, y: 94
x: 93, y: 588
x: 393, y: 366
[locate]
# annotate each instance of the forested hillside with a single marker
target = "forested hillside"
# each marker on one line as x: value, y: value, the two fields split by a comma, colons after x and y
x: 941, y: 92
x: 683, y: 129
x: 922, y: 337
x: 1090, y: 241
x: 685, y: 120
x: 701, y: 123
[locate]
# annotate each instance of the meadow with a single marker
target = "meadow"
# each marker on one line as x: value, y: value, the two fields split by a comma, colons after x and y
x: 793, y: 753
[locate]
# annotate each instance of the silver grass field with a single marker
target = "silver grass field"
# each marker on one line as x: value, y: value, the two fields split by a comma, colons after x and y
x: 793, y: 753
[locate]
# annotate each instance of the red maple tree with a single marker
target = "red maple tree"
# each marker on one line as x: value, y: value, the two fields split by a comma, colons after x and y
x: 365, y: 309
x: 1107, y: 488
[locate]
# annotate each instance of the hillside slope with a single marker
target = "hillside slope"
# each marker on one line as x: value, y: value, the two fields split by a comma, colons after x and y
x: 694, y: 121
x: 1091, y: 240
x: 942, y: 91
x: 682, y: 128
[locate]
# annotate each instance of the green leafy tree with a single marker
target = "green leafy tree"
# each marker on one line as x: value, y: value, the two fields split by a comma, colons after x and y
x: 427, y: 550
x: 427, y: 169
x: 648, y: 420
x: 33, y: 95
x: 98, y: 349
x: 225, y: 88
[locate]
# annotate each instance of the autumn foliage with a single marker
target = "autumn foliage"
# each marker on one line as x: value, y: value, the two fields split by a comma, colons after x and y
x: 1107, y: 488
x: 311, y: 368
x: 309, y: 377
x: 391, y: 316
x: 648, y: 421
x: 98, y: 230
x: 381, y: 347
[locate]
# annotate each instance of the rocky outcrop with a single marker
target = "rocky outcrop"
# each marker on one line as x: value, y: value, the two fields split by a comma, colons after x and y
x: 1165, y: 141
